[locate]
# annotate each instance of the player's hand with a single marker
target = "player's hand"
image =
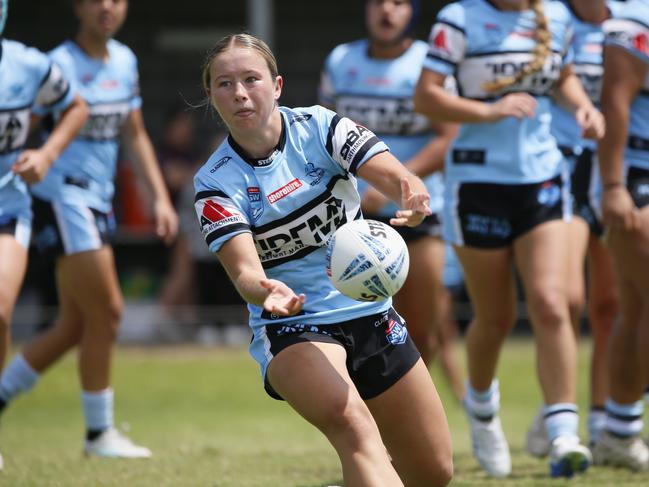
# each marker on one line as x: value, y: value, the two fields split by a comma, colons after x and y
x: 414, y: 207
x: 373, y: 200
x: 281, y: 299
x: 618, y: 210
x: 166, y: 220
x: 519, y: 105
x: 32, y: 165
x: 591, y: 121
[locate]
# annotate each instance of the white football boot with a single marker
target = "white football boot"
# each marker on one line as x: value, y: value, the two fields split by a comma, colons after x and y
x: 537, y: 443
x: 113, y: 444
x: 490, y: 446
x: 568, y: 456
x: 631, y: 453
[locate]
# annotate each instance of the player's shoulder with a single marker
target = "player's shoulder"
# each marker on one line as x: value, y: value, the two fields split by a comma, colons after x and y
x: 315, y: 115
x: 615, y: 7
x: 348, y: 50
x: 558, y: 10
x: 456, y: 13
x: 121, y: 51
x: 210, y: 174
x: 26, y: 55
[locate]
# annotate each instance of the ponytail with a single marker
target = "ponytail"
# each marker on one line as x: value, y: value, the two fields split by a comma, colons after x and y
x: 541, y: 51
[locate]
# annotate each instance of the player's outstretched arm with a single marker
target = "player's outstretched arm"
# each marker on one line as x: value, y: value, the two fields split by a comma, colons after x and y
x: 239, y: 258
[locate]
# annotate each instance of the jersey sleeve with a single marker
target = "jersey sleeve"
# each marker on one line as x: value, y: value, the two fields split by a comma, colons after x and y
x: 447, y: 41
x: 630, y: 35
x: 349, y: 144
x: 136, y: 97
x: 55, y: 93
x: 219, y: 217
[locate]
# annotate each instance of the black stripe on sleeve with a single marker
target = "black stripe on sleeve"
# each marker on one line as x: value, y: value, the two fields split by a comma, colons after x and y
x: 208, y: 194
x: 361, y: 153
x: 236, y: 227
x: 331, y: 133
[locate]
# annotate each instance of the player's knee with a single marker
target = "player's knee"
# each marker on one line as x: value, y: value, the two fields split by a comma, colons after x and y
x: 602, y: 314
x: 347, y: 420
x: 576, y: 304
x: 549, y: 306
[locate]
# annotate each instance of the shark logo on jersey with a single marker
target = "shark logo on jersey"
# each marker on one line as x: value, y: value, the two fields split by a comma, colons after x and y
x: 254, y: 197
x: 396, y: 333
x: 315, y: 173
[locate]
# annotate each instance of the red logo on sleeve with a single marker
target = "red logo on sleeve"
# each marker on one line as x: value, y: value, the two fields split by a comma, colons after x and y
x: 641, y: 43
x: 440, y: 42
x: 213, y: 212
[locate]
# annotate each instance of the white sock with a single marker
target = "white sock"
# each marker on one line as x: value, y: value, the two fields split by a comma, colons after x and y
x: 17, y: 378
x: 98, y: 409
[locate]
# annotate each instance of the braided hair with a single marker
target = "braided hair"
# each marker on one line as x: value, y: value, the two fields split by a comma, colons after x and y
x: 541, y: 51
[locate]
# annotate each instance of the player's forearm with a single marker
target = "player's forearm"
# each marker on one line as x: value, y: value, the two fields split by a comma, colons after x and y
x: 66, y: 129
x: 611, y: 147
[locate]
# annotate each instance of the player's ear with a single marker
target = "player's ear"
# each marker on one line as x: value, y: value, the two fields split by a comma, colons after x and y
x: 279, y: 82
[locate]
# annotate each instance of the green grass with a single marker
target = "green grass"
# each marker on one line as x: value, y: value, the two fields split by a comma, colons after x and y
x: 210, y: 423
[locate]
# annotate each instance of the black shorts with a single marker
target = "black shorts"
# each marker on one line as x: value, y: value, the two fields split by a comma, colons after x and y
x: 637, y: 182
x: 379, y: 348
x: 582, y: 183
x: 431, y: 226
x: 491, y: 215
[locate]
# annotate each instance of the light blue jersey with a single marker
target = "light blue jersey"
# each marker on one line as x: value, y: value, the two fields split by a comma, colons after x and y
x: 587, y: 46
x: 479, y: 43
x: 29, y: 84
x: 377, y: 93
x: 291, y: 202
x: 630, y: 31
x: 85, y: 172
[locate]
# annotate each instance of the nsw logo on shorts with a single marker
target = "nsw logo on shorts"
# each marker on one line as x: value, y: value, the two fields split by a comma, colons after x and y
x: 396, y: 333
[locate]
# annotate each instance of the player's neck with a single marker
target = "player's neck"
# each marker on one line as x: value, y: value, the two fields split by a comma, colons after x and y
x: 261, y: 143
x: 95, y: 47
x: 593, y: 11
x: 389, y: 51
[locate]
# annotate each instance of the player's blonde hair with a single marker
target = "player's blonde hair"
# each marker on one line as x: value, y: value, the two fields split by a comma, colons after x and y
x: 240, y: 40
x: 541, y: 51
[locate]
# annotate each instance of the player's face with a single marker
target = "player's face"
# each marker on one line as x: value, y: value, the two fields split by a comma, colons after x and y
x: 242, y: 89
x: 102, y: 18
x: 387, y: 19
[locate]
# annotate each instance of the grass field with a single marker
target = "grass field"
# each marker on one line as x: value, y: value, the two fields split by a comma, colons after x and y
x: 208, y: 421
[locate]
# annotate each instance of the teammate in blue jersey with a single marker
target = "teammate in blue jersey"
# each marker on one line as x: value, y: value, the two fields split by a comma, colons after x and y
x: 31, y: 84
x: 372, y: 82
x: 73, y: 219
x: 507, y: 202
x: 586, y: 229
x: 624, y: 166
x: 267, y: 200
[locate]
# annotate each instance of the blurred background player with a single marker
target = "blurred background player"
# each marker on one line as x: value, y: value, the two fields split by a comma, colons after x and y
x: 506, y: 202
x: 30, y: 84
x: 372, y: 82
x: 586, y: 228
x: 336, y: 361
x: 624, y: 165
x: 73, y: 219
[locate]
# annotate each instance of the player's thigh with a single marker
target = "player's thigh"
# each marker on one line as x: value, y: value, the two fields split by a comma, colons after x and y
x: 13, y: 263
x: 413, y: 423
x: 313, y: 378
x: 90, y: 280
x: 489, y: 279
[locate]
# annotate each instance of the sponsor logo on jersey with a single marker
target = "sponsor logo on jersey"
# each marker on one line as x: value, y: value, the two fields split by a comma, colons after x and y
x: 105, y: 121
x: 215, y: 216
x: 256, y: 205
x: 396, y: 333
x: 284, y: 191
x: 310, y: 230
x: 109, y: 84
x: 221, y: 162
x: 377, y: 81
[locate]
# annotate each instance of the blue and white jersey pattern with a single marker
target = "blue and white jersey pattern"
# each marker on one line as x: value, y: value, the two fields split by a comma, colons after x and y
x: 587, y: 47
x: 630, y: 31
x: 30, y: 83
x: 85, y: 171
x: 479, y: 43
x: 291, y: 202
x: 377, y: 93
